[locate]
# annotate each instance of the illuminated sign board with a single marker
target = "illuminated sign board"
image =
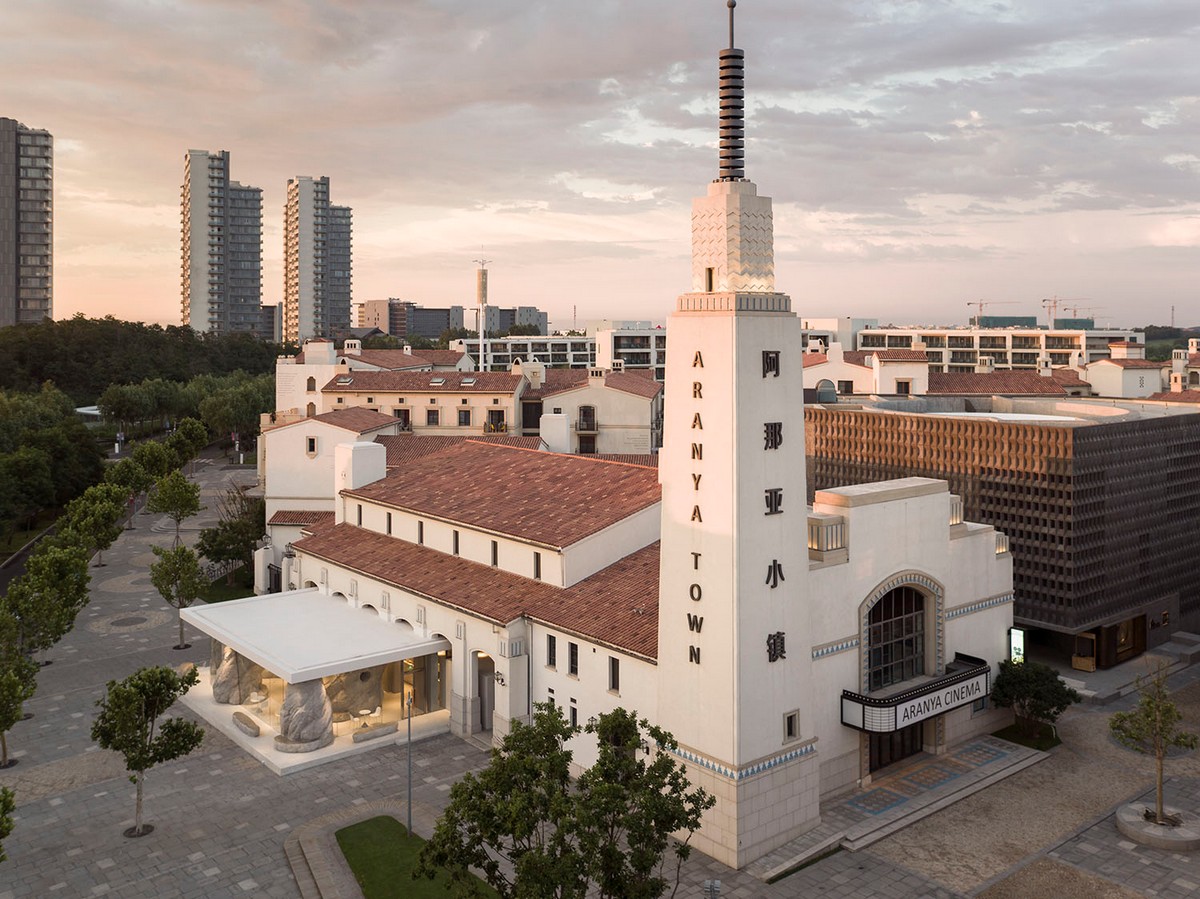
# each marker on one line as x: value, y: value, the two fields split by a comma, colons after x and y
x: 1016, y: 644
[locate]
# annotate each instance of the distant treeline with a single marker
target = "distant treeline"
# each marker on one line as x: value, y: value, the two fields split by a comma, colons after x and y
x: 83, y: 356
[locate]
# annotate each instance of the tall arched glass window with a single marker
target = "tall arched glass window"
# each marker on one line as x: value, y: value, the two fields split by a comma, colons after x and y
x: 896, y: 638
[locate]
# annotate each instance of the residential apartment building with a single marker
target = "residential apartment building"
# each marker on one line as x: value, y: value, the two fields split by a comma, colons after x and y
x: 554, y: 352
x: 962, y: 349
x: 1097, y: 498
x: 26, y: 223
x: 633, y: 348
x: 317, y: 262
x: 221, y: 223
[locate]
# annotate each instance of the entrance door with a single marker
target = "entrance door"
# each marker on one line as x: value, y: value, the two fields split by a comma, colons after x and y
x: 887, y: 749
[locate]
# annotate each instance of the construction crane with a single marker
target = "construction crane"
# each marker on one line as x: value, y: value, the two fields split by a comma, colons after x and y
x: 1051, y: 305
x: 979, y: 304
x: 1074, y: 311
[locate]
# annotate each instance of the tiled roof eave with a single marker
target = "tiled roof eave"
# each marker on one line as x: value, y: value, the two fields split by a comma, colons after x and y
x: 465, y: 524
x: 599, y: 641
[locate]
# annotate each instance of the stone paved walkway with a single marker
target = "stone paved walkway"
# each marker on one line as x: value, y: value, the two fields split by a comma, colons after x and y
x: 221, y: 819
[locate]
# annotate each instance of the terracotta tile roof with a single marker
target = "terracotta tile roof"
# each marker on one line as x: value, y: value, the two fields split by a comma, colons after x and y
x: 997, y: 383
x: 646, y: 460
x: 403, y: 448
x: 900, y: 355
x: 617, y: 606
x: 423, y: 382
x: 639, y: 382
x: 1193, y: 359
x: 357, y: 420
x: 851, y: 357
x: 1184, y: 396
x: 308, y: 519
x: 1131, y: 363
x: 396, y: 360
x: 1068, y: 377
x: 546, y: 498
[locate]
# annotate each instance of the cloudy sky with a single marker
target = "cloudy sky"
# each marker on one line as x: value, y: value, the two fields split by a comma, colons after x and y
x: 921, y: 153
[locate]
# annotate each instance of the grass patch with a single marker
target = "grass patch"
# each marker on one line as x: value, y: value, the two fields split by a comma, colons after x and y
x: 1046, y: 738
x: 382, y: 856
x: 219, y: 591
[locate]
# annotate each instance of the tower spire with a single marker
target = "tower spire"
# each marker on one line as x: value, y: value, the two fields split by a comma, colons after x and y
x: 732, y: 122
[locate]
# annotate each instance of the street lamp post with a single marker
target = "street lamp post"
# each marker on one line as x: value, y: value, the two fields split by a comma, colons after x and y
x: 410, y: 704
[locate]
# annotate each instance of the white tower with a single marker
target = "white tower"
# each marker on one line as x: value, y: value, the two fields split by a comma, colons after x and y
x: 734, y: 656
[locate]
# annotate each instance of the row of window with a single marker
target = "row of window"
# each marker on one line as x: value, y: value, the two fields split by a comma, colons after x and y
x: 614, y: 663
x: 454, y: 538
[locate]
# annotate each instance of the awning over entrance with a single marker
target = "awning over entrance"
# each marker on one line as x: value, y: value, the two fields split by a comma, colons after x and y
x: 967, y: 679
x: 303, y: 635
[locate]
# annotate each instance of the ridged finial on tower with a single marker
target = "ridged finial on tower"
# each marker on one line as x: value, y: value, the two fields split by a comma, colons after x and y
x: 733, y: 126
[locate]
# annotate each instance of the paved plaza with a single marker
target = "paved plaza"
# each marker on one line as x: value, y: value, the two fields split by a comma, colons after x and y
x: 222, y: 819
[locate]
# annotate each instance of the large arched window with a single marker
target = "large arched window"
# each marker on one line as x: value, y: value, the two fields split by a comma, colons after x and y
x: 896, y: 638
x: 312, y: 384
x: 826, y: 392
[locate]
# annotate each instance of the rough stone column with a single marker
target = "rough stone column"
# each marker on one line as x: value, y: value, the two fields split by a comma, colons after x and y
x: 234, y: 677
x: 306, y: 718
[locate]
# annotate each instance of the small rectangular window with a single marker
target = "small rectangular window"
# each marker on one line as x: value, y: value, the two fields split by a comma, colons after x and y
x: 708, y: 280
x: 370, y: 399
x: 495, y: 553
x: 431, y: 418
x: 550, y: 696
x: 614, y: 674
x: 312, y: 446
x: 573, y: 659
x: 421, y: 532
x: 537, y: 566
x: 360, y: 515
x: 456, y: 543
x: 464, y: 418
x: 389, y: 522
x: 574, y: 713
x: 979, y: 705
x: 551, y: 651
x: 791, y: 726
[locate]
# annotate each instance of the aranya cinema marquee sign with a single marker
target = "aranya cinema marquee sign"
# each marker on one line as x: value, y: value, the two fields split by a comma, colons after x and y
x: 967, y: 680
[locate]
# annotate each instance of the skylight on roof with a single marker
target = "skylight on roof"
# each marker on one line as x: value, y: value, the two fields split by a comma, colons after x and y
x: 467, y: 382
x: 345, y: 379
x: 437, y: 382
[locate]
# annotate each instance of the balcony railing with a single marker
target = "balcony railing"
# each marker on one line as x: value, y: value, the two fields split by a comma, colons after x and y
x: 956, y: 510
x: 495, y: 427
x: 587, y: 425
x: 826, y: 533
x: 1001, y: 543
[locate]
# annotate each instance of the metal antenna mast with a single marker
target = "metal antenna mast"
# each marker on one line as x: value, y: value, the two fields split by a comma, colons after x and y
x: 732, y: 116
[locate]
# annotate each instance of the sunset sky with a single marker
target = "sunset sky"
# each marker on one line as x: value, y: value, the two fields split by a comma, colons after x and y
x: 921, y: 154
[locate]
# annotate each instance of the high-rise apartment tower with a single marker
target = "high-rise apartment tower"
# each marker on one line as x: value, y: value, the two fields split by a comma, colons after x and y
x: 222, y: 248
x: 316, y: 252
x: 26, y: 223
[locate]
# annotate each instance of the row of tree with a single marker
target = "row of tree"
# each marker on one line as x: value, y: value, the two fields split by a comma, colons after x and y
x: 226, y: 403
x: 85, y: 355
x: 47, y: 456
x: 41, y: 605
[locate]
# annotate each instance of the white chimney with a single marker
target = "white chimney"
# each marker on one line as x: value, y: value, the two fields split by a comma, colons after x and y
x: 1043, y: 366
x: 1176, y: 382
x: 985, y: 366
x: 355, y: 465
x: 352, y: 348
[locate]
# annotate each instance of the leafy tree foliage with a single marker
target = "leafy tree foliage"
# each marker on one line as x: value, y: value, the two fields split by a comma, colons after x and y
x: 131, y: 477
x: 128, y: 723
x: 45, y: 600
x: 1034, y: 692
x: 607, y: 835
x: 155, y: 458
x: 238, y: 407
x: 18, y: 679
x: 28, y: 484
x: 178, y: 578
x: 176, y: 497
x: 7, y: 806
x: 243, y: 521
x: 93, y: 519
x: 1153, y: 727
x: 84, y: 356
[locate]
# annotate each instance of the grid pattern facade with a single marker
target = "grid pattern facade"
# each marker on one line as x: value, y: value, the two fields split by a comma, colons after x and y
x: 1099, y: 516
x: 221, y: 225
x: 26, y: 223
x: 317, y: 262
x: 961, y: 349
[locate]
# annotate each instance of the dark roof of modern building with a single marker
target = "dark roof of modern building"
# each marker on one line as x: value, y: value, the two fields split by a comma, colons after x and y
x: 548, y: 498
x: 616, y: 606
x: 358, y: 420
x: 404, y: 448
x: 423, y: 382
x: 638, y: 381
x: 996, y: 383
x: 1183, y: 396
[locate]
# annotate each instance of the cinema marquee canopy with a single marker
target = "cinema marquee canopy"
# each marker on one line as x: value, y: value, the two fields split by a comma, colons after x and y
x: 967, y: 679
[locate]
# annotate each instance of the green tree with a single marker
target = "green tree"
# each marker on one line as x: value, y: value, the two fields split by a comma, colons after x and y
x: 7, y: 806
x: 155, y: 458
x: 1034, y: 692
x: 534, y: 834
x: 18, y: 680
x: 176, y: 497
x: 28, y: 484
x: 45, y: 600
x: 243, y: 521
x: 524, y: 331
x: 93, y: 519
x: 132, y: 478
x: 1152, y: 727
x: 128, y: 723
x: 178, y: 578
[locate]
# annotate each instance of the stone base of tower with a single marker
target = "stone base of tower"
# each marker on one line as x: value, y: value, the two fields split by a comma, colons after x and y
x: 756, y: 813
